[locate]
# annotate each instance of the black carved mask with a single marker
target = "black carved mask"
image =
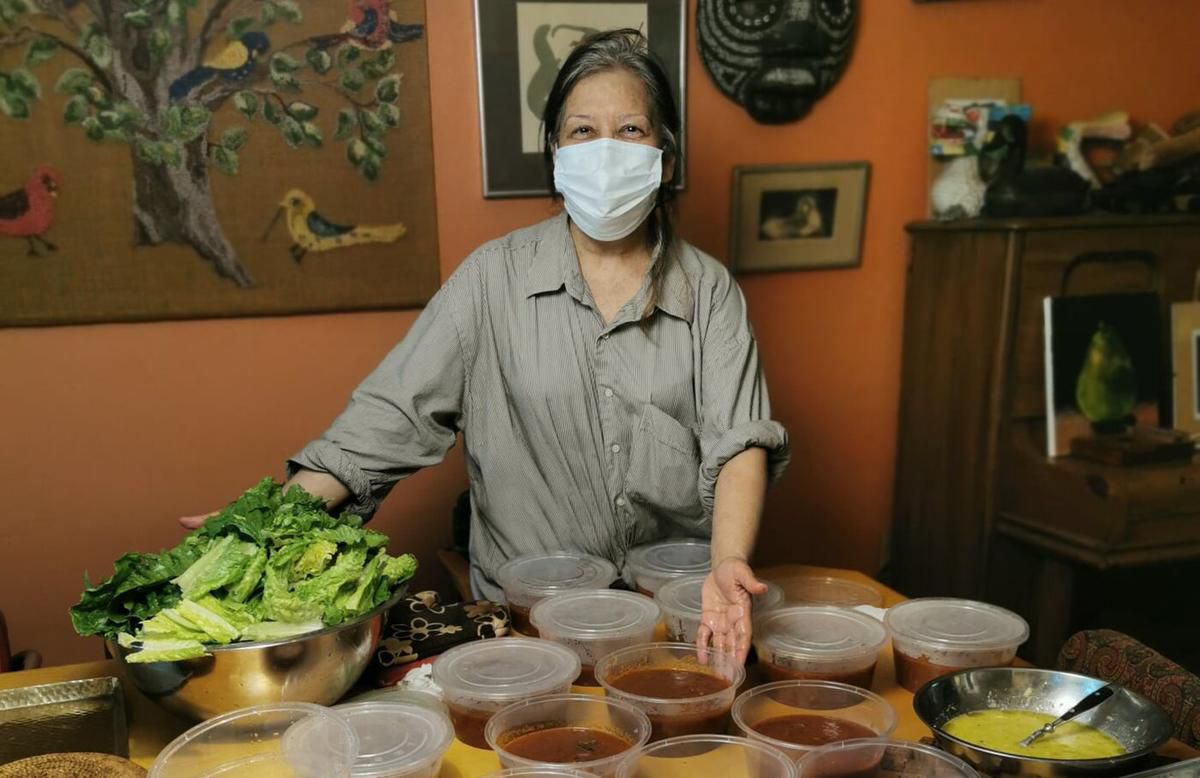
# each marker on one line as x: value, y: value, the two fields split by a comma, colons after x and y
x: 776, y: 57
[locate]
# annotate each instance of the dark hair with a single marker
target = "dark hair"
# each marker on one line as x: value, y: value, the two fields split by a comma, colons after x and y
x: 625, y: 49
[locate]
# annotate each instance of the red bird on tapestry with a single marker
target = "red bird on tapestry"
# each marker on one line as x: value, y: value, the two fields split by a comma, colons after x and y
x: 28, y: 212
x: 372, y: 25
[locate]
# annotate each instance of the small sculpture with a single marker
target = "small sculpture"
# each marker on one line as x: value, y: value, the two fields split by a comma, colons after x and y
x: 1016, y: 191
x: 1073, y: 140
x: 959, y: 192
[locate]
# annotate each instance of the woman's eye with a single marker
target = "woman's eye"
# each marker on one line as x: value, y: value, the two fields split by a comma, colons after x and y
x: 632, y: 129
x: 581, y: 132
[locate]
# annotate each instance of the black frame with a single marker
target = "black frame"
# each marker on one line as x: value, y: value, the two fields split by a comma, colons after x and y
x: 507, y: 170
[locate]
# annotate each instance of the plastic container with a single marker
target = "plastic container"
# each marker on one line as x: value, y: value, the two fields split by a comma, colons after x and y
x: 426, y: 699
x: 933, y: 636
x: 396, y: 739
x: 602, y: 715
x: 870, y: 757
x: 654, y: 564
x: 277, y: 740
x: 803, y: 710
x: 528, y: 579
x: 818, y: 642
x: 702, y: 756
x: 541, y: 771
x: 596, y: 623
x: 828, y: 590
x: 479, y: 678
x: 666, y: 669
x: 680, y: 601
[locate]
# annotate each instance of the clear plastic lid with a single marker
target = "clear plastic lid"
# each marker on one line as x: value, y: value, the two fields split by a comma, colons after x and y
x: 597, y: 614
x: 527, y: 579
x: 426, y: 698
x: 943, y: 622
x: 396, y: 739
x: 670, y: 559
x: 681, y: 597
x: 506, y: 668
x: 819, y: 634
x: 293, y: 739
x: 827, y: 590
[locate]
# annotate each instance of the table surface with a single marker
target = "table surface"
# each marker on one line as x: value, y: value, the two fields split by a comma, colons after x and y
x: 151, y: 728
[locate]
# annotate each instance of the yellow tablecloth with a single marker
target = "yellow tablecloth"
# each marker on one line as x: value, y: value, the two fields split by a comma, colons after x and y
x: 150, y: 728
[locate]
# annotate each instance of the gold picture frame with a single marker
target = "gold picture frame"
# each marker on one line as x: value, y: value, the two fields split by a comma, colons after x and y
x: 1185, y: 340
x: 798, y: 217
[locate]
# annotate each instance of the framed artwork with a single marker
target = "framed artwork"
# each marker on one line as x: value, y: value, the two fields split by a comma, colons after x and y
x: 200, y: 158
x: 1185, y: 338
x: 797, y: 217
x: 520, y: 45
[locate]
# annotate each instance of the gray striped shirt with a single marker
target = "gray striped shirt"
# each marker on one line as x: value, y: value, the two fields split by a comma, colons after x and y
x: 579, y: 435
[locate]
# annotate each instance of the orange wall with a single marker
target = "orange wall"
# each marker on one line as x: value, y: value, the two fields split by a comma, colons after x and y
x: 110, y: 431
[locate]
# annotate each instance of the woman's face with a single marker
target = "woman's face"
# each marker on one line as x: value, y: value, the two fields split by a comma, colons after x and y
x: 611, y: 104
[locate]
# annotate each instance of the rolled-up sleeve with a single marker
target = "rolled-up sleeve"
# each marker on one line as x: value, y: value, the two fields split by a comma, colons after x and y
x: 404, y: 416
x: 735, y: 410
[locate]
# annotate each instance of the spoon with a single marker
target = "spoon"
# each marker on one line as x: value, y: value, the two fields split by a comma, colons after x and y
x: 1084, y: 705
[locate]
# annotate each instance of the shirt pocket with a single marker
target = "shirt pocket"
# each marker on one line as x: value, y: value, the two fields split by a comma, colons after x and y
x: 664, y: 468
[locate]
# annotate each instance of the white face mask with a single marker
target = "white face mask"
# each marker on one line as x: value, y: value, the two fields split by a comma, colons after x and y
x: 608, y: 186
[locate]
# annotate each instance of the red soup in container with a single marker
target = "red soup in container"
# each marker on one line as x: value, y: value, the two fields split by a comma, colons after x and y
x: 933, y: 636
x: 798, y: 716
x: 584, y: 731
x: 822, y: 643
x: 667, y: 682
x: 529, y: 579
x: 479, y: 678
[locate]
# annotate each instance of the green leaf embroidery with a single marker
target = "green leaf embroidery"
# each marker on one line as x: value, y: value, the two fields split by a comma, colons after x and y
x: 388, y: 89
x: 227, y: 161
x: 345, y: 124
x: 247, y: 103
x: 302, y: 111
x: 40, y: 50
x: 319, y: 60
x: 352, y: 79
x: 234, y: 138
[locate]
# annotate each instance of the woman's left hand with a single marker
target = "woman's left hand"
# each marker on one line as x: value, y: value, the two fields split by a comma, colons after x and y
x: 725, y: 619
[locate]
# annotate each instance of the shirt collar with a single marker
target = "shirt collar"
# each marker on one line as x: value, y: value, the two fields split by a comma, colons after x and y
x: 556, y: 265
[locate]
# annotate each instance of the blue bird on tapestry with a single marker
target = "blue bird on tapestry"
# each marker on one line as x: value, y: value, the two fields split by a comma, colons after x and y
x: 235, y: 62
x: 372, y: 25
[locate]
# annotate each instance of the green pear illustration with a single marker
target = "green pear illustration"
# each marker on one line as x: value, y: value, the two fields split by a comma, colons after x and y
x: 1106, y: 389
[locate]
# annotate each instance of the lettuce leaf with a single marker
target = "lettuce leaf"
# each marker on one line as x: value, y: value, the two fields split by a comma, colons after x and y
x: 271, y: 565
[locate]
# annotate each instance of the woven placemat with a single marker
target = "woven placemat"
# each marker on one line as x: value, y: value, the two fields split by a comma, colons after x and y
x: 81, y: 765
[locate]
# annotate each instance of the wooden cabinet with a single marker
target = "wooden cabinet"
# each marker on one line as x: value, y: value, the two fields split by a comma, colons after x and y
x: 971, y: 463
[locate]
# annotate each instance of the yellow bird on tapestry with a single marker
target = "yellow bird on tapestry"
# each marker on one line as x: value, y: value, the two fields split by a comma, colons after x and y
x: 311, y: 231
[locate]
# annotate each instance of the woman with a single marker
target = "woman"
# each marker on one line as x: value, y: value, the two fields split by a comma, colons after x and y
x: 601, y: 370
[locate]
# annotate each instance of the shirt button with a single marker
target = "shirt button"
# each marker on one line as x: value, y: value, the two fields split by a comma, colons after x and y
x: 616, y: 448
x: 620, y: 502
x: 608, y: 392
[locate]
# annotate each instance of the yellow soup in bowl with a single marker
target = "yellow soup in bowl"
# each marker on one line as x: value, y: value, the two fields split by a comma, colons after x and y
x: 1003, y: 730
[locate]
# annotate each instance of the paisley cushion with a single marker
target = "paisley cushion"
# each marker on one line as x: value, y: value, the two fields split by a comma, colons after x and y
x: 1116, y: 657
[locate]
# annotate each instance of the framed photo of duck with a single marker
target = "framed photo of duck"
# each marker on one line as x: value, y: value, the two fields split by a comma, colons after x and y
x: 520, y: 45
x: 211, y: 158
x: 797, y: 217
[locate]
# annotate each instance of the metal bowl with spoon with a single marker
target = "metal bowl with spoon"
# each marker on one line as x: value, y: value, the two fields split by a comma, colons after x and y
x: 1137, y: 724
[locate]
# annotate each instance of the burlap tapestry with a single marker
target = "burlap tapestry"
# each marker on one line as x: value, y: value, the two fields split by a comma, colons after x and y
x: 171, y: 159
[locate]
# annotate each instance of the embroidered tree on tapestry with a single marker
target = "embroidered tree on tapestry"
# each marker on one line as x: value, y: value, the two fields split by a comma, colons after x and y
x: 191, y: 88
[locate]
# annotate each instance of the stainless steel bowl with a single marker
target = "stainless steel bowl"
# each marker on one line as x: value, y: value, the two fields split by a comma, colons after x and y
x: 1137, y: 724
x: 318, y: 667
